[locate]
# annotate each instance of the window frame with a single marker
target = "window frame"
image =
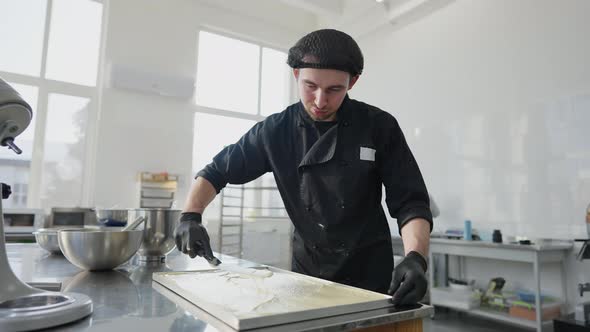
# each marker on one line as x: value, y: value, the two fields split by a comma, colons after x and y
x: 261, y: 45
x: 240, y: 115
x: 46, y: 87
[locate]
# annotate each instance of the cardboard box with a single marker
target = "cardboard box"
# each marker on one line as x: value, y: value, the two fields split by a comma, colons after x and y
x: 548, y: 311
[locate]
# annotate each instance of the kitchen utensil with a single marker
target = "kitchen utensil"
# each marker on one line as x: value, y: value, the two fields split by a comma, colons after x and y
x: 467, y: 231
x: 112, y: 217
x: 158, y: 233
x: 47, y: 239
x: 258, y: 273
x: 23, y: 307
x: 134, y: 224
x: 497, y: 236
x: 99, y: 249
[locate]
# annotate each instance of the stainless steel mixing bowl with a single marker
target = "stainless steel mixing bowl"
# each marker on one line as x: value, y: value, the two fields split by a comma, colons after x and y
x: 112, y: 217
x: 99, y: 249
x: 158, y: 233
x: 47, y: 239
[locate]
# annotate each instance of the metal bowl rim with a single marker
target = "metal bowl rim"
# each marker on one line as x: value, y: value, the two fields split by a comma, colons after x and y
x: 105, y: 230
x: 155, y: 209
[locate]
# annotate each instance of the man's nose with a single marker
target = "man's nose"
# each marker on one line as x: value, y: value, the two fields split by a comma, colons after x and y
x: 321, y: 100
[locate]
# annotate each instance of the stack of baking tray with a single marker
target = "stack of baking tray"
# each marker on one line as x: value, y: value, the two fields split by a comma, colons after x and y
x: 248, y: 301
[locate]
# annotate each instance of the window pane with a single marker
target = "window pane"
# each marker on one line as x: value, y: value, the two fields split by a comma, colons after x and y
x: 15, y: 168
x: 65, y: 143
x: 227, y: 73
x: 212, y: 134
x: 74, y: 41
x: 276, y: 78
x: 22, y: 23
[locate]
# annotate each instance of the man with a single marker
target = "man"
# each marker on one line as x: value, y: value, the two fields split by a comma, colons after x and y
x: 330, y: 156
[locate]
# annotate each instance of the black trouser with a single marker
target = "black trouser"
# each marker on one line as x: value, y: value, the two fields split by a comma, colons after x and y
x: 369, y: 267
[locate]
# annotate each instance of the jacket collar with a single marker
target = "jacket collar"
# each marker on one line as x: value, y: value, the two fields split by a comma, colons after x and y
x: 324, y: 148
x: 342, y: 116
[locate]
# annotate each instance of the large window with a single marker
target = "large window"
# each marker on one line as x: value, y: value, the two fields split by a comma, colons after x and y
x: 242, y: 77
x: 65, y: 144
x: 22, y: 25
x: 50, y: 56
x: 238, y: 84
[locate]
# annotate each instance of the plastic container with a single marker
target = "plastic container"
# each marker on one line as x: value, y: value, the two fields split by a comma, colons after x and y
x: 528, y: 296
x: 467, y: 231
x: 527, y: 311
x: 460, y: 287
x: 460, y: 299
x: 497, y: 236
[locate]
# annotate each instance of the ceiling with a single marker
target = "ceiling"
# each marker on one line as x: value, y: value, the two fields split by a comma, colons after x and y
x: 360, y: 17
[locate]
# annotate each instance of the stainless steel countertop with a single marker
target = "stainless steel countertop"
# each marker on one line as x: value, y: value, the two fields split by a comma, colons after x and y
x: 125, y: 298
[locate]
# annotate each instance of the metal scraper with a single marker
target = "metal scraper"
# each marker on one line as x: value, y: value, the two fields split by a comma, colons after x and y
x: 214, y: 261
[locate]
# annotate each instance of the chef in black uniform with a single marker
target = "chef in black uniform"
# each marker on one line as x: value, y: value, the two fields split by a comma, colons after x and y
x: 330, y: 156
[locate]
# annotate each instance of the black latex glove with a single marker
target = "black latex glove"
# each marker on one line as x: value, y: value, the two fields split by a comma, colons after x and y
x: 191, y: 236
x: 408, y: 285
x: 6, y: 191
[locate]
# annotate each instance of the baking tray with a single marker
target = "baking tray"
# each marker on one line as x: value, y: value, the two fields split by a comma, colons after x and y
x: 244, y: 302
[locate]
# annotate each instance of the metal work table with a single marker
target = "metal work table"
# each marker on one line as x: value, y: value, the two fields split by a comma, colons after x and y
x: 127, y: 298
x: 548, y: 251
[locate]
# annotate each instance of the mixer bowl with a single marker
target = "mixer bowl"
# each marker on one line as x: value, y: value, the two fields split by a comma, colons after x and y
x: 99, y: 249
x: 47, y: 239
x: 158, y: 232
x: 112, y: 217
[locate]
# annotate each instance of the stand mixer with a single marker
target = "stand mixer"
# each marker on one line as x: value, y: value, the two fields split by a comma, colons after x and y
x: 582, y: 310
x: 23, y: 307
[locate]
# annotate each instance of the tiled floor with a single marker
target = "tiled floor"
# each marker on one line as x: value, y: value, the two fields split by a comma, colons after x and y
x: 452, y: 321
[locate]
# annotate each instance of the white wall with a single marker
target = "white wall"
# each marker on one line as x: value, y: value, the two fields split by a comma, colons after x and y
x: 494, y: 99
x: 143, y: 132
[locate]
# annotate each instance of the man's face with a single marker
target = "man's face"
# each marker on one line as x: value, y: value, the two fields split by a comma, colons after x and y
x: 322, y: 91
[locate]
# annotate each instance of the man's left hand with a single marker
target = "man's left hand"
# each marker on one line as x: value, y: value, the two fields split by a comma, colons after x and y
x: 409, y: 285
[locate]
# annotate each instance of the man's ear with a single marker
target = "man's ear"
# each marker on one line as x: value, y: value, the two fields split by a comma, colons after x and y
x: 296, y: 73
x: 353, y: 81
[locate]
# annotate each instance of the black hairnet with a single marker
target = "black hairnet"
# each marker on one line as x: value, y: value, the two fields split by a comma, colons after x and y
x: 327, y: 49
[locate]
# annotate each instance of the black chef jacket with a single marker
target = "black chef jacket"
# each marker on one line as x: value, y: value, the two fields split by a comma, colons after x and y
x: 331, y: 186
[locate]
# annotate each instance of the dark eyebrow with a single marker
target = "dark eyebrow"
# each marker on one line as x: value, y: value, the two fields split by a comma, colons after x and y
x: 338, y: 86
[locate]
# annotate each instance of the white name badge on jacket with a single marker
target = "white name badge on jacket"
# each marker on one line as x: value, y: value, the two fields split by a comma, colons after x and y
x: 367, y: 154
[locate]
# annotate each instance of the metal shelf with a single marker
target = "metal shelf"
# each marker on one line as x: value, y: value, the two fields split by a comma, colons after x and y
x: 231, y: 222
x: 488, y: 313
x: 534, y: 255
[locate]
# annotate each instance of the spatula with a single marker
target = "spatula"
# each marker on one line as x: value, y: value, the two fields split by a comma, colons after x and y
x: 214, y: 261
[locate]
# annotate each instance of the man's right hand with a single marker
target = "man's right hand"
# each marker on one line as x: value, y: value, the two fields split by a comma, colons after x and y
x: 191, y: 236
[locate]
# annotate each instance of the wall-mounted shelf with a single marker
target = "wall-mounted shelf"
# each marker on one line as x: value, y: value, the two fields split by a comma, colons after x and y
x: 157, y: 190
